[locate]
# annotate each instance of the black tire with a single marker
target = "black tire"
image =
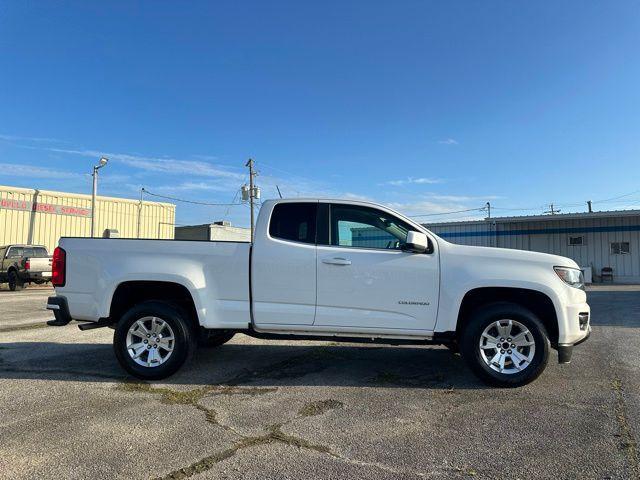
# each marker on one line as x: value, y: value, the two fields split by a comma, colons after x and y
x: 454, y: 348
x: 183, y: 346
x: 15, y: 284
x: 472, y: 333
x: 214, y: 338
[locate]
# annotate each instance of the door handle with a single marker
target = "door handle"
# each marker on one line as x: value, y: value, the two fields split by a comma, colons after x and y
x: 336, y: 261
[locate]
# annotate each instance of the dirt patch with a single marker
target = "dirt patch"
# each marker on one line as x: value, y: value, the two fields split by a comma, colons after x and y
x: 30, y: 326
x: 312, y: 409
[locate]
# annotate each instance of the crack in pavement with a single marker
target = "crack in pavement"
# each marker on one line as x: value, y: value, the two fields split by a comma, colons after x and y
x: 419, y: 379
x: 292, y: 367
x: 192, y: 397
x: 628, y: 443
x: 274, y: 434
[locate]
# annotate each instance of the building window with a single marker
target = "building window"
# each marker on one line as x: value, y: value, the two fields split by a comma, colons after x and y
x: 619, y: 248
x: 576, y: 241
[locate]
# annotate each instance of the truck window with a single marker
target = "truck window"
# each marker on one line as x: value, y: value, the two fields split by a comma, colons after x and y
x: 35, y: 252
x: 363, y: 227
x: 15, y: 252
x: 294, y: 221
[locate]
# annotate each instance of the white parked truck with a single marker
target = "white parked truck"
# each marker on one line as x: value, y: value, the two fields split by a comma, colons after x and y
x: 324, y: 269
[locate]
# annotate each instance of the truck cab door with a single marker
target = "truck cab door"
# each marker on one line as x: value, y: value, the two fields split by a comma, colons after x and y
x: 367, y: 282
x: 283, y: 265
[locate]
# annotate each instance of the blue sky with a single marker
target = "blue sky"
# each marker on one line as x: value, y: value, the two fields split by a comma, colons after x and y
x: 428, y: 106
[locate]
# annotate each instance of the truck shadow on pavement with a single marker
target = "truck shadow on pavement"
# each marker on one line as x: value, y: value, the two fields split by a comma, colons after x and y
x: 258, y: 365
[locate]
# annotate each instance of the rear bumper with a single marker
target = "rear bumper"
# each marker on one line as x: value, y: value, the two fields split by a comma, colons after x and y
x: 39, y: 275
x: 60, y: 309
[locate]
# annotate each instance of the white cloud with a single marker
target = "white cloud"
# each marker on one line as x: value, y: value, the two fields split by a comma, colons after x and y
x: 464, y: 198
x: 160, y: 164
x: 412, y: 180
x: 448, y: 141
x: 197, y: 186
x: 426, y: 210
x: 17, y: 138
x: 356, y: 196
x: 24, y: 170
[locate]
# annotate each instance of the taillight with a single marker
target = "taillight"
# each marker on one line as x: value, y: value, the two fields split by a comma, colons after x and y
x: 27, y: 265
x: 58, y: 267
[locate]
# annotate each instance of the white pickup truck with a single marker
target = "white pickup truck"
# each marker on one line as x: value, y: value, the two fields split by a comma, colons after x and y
x: 324, y: 269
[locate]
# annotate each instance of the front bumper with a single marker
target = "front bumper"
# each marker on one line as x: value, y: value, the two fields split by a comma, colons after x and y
x: 566, y: 351
x: 60, y: 309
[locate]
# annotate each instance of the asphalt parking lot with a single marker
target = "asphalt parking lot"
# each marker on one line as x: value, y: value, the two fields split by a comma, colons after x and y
x: 257, y: 409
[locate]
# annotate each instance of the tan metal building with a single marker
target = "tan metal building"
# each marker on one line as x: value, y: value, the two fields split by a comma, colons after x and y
x: 41, y: 217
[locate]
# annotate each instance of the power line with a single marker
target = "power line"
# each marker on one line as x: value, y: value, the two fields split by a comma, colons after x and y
x: 449, y: 213
x: 616, y: 198
x: 469, y: 217
x: 188, y: 201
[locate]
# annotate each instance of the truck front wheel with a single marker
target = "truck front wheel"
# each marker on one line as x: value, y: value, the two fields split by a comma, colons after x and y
x: 505, y: 345
x: 153, y: 340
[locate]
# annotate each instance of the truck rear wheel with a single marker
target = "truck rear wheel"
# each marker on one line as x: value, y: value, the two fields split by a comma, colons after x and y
x: 505, y: 345
x: 153, y: 340
x: 15, y: 283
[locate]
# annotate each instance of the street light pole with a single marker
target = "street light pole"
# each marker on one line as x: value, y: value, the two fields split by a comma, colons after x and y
x: 102, y: 163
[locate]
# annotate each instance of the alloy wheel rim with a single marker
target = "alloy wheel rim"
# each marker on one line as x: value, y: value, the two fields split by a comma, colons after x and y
x: 150, y: 341
x: 507, y: 346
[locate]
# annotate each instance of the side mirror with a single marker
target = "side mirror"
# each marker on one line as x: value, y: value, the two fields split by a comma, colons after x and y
x: 417, y: 242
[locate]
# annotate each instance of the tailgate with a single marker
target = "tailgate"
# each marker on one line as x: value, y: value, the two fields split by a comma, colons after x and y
x: 38, y: 264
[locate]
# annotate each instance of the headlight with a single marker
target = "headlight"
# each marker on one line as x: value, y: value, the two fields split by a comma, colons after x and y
x: 571, y: 276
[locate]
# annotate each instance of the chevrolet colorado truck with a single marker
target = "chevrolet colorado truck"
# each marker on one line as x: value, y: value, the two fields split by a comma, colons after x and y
x: 324, y: 269
x: 20, y: 264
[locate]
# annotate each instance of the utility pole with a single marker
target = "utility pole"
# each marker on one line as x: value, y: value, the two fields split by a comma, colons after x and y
x: 102, y: 163
x: 140, y: 211
x: 252, y: 174
x: 589, y: 205
x: 551, y: 210
x: 488, y: 210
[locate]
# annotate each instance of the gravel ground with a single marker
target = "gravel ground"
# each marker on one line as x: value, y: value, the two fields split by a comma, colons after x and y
x: 257, y: 409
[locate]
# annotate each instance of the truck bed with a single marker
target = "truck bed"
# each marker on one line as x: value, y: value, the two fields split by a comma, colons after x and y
x: 96, y: 267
